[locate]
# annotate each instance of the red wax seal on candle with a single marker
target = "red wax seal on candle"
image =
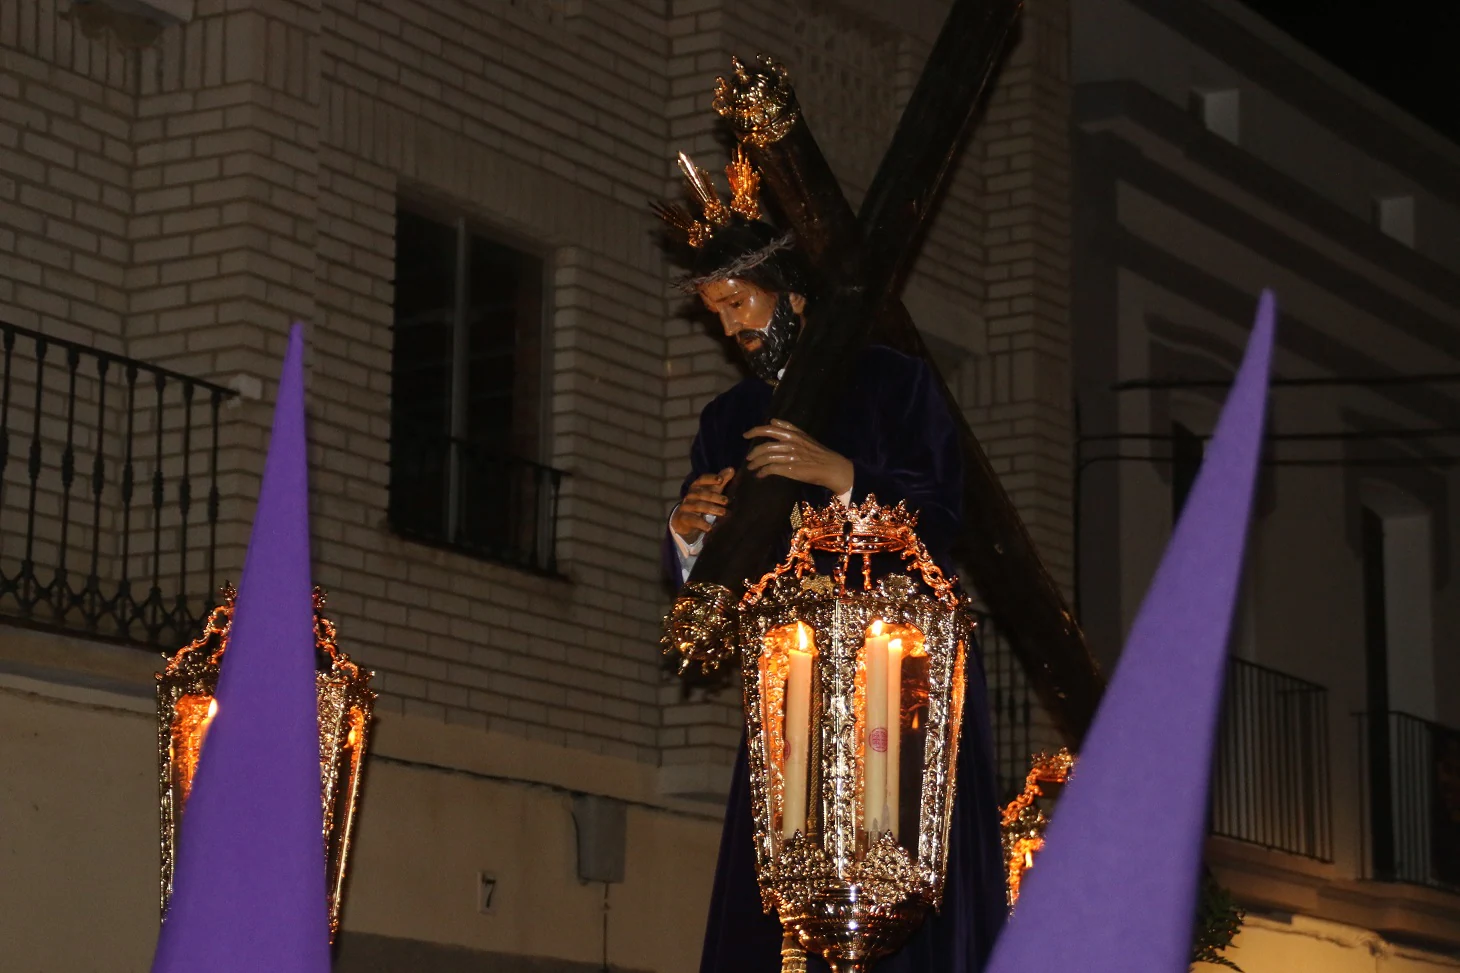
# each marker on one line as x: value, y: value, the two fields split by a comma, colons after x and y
x: 879, y: 739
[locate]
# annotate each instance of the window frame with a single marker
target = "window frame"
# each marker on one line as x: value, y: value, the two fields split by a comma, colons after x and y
x: 465, y: 225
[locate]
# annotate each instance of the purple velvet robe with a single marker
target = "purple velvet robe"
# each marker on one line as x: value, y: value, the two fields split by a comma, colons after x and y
x: 895, y: 427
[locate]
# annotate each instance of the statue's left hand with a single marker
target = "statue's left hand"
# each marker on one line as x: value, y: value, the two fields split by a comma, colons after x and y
x: 796, y: 456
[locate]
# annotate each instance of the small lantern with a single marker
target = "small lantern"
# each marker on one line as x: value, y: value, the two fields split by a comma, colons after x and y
x: 853, y: 702
x: 1023, y: 821
x: 186, y: 705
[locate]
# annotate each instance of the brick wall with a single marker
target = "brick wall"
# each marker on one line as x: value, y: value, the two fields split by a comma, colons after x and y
x: 1020, y: 398
x: 184, y: 203
x: 1017, y: 394
x: 65, y: 177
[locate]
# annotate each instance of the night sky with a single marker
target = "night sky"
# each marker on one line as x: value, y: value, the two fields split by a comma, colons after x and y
x: 1406, y: 53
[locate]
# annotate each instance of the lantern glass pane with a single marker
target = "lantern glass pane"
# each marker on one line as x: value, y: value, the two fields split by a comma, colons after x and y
x: 192, y: 715
x: 892, y: 715
x: 786, y: 661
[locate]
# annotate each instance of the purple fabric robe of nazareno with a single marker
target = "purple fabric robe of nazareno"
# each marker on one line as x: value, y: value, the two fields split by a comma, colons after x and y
x: 895, y: 427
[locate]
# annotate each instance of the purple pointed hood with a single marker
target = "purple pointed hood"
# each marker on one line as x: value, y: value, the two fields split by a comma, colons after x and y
x: 249, y: 889
x: 1115, y: 888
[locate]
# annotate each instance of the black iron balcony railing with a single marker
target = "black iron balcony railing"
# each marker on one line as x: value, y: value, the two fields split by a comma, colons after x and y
x: 1411, y: 800
x: 1271, y: 781
x: 457, y: 494
x: 1011, y: 709
x: 103, y: 460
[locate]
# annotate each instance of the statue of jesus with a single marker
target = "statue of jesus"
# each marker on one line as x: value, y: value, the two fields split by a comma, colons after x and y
x: 892, y: 435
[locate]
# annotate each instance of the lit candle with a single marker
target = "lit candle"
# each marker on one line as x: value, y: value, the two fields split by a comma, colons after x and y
x: 798, y: 735
x: 894, y: 733
x: 207, y: 722
x: 874, y: 785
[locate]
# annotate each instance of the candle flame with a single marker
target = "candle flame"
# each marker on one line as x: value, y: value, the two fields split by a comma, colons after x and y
x: 1028, y: 859
x: 895, y: 645
x: 877, y: 627
x: 212, y: 708
x: 801, y: 637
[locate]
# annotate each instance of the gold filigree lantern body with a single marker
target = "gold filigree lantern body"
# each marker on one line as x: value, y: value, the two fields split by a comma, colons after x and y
x: 853, y: 702
x: 186, y: 705
x: 1023, y: 821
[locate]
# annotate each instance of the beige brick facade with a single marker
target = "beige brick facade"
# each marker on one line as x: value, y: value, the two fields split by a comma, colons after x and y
x: 183, y: 203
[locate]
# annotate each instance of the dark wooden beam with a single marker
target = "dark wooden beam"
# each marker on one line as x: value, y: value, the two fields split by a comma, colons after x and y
x: 938, y: 116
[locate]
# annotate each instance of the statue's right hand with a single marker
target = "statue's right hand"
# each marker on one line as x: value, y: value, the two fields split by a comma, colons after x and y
x: 704, y: 500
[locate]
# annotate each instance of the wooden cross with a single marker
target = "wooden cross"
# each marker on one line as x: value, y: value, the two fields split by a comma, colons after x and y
x: 862, y: 258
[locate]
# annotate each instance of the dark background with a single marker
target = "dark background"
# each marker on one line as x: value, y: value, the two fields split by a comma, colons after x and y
x: 1406, y: 52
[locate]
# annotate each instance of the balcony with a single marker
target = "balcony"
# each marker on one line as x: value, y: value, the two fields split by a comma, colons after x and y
x: 461, y: 495
x: 1411, y: 800
x: 1270, y: 784
x: 1013, y: 710
x: 108, y: 492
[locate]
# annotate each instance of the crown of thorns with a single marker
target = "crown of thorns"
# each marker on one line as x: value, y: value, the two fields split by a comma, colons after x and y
x: 739, y: 266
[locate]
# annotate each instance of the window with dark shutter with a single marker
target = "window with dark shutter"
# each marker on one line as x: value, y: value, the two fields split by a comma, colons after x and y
x: 466, y: 395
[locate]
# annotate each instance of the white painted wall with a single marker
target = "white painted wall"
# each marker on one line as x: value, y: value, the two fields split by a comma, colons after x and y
x: 1409, y: 598
x: 1302, y: 608
x: 78, y: 842
x: 1112, y: 39
x: 1304, y: 945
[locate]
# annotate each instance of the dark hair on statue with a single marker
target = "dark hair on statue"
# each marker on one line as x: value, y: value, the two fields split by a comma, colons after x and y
x: 754, y: 251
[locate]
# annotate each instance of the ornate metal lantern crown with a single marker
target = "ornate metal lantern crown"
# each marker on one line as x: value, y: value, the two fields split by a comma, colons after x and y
x: 858, y: 532
x: 186, y: 706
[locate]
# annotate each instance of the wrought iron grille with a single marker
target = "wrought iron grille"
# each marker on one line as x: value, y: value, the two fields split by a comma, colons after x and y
x: 1271, y: 781
x: 1011, y: 709
x: 1411, y: 800
x: 457, y: 494
x: 103, y: 462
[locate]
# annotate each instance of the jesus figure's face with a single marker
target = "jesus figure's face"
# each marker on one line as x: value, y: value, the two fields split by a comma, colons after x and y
x: 745, y: 310
x: 762, y: 323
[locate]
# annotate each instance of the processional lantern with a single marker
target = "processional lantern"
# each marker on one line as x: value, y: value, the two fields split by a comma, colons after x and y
x: 186, y: 705
x: 1023, y: 821
x: 853, y: 691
